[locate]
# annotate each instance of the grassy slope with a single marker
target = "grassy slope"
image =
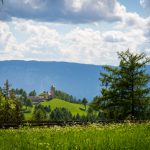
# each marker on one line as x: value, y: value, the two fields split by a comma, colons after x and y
x: 28, y: 116
x: 72, y: 107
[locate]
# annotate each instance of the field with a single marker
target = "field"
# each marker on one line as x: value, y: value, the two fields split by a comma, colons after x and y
x: 72, y: 107
x: 92, y: 137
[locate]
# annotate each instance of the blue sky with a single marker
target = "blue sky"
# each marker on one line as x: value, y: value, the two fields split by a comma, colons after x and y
x: 82, y: 31
x: 134, y: 6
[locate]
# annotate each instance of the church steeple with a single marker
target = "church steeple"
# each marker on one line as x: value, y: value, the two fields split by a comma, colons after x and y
x: 52, y: 91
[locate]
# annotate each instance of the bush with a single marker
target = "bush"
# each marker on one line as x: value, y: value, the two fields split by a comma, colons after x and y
x: 39, y: 113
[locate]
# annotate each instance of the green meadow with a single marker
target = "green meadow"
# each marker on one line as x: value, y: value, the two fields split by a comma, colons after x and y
x: 126, y: 136
x: 72, y: 107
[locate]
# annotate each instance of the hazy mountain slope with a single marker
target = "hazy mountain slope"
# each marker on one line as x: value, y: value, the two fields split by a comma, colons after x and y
x: 77, y: 79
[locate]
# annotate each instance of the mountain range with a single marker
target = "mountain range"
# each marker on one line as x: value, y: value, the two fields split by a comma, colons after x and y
x: 79, y: 80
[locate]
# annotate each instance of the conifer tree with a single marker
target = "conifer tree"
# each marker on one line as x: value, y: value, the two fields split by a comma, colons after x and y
x: 125, y: 93
x: 84, y: 102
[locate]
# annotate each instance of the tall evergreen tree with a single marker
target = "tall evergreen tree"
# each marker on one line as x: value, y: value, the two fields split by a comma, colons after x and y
x: 32, y: 93
x: 84, y: 102
x: 6, y: 89
x: 125, y: 94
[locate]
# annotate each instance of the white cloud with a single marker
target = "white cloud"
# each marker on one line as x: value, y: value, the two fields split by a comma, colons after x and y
x: 114, y: 36
x: 84, y: 45
x: 5, y: 34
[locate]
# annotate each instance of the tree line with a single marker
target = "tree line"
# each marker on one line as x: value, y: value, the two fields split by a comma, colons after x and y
x: 66, y: 97
x: 62, y: 114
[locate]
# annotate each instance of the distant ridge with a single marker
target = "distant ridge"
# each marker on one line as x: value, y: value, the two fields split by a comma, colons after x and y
x: 80, y: 80
x: 77, y: 79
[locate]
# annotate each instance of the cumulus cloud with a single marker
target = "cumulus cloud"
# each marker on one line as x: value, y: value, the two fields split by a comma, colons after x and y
x: 114, y: 36
x: 74, y: 11
x: 83, y: 45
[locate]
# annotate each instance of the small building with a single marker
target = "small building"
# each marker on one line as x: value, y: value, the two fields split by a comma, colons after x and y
x: 46, y: 96
x: 36, y: 99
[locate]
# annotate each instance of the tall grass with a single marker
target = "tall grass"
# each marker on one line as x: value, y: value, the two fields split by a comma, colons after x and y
x: 91, y: 137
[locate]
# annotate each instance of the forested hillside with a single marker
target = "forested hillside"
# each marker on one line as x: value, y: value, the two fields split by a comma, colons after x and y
x: 79, y: 80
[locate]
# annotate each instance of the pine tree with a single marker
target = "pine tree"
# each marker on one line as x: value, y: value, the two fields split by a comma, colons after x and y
x: 125, y: 94
x: 84, y: 102
x: 6, y: 89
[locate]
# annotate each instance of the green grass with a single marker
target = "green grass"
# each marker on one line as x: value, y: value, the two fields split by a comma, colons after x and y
x: 72, y: 107
x: 28, y: 116
x: 92, y: 137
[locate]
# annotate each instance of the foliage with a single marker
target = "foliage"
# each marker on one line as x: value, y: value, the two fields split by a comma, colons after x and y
x: 22, y: 97
x: 6, y: 89
x: 90, y: 117
x: 47, y: 108
x: 60, y: 114
x: 10, y: 107
x: 96, y: 103
x: 84, y: 102
x: 66, y: 97
x: 32, y: 93
x: 39, y: 113
x: 125, y: 92
x: 10, y: 111
x: 28, y: 102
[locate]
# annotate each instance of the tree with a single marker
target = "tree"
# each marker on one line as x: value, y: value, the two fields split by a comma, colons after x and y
x: 12, y: 94
x: 28, y: 103
x: 47, y: 108
x: 90, y: 110
x: 6, y: 89
x: 125, y: 92
x: 96, y: 103
x: 60, y: 114
x: 32, y: 93
x: 39, y: 114
x: 65, y: 96
x: 77, y: 117
x: 10, y: 108
x: 84, y: 102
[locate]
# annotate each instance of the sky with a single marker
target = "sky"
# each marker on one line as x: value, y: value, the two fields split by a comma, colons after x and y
x: 82, y: 31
